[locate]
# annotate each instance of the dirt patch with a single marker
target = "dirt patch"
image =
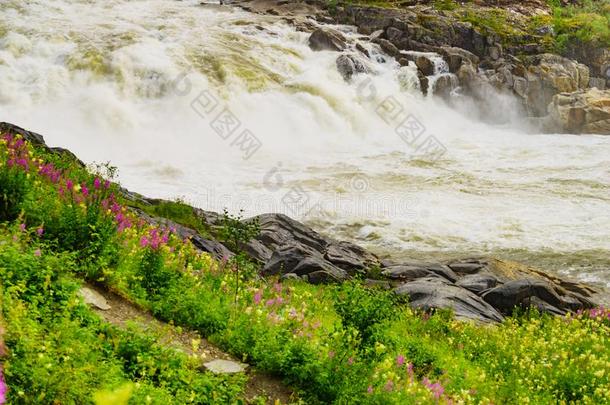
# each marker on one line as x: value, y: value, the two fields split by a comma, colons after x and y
x: 122, y: 311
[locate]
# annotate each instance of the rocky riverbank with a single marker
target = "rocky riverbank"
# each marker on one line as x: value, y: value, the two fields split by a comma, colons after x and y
x: 458, y: 57
x: 483, y: 289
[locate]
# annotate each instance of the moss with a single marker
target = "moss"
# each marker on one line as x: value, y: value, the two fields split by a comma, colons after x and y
x: 179, y: 212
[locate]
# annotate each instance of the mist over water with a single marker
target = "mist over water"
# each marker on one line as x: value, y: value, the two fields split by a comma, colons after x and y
x: 116, y: 80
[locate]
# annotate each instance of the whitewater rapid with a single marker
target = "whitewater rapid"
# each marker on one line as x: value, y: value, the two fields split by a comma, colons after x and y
x: 134, y: 83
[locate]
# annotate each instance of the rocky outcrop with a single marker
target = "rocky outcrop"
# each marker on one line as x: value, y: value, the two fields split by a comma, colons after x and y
x: 581, y: 112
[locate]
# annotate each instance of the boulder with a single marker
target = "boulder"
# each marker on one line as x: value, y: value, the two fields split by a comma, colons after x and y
x: 425, y: 65
x: 387, y: 47
x: 444, y: 85
x: 518, y: 294
x: 326, y: 39
x: 456, y: 57
x: 436, y: 293
x: 349, y: 65
x: 548, y: 75
x: 349, y: 256
x: 477, y: 283
x: 581, y: 112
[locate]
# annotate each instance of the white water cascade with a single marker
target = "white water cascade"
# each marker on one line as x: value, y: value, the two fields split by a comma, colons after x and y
x: 135, y: 83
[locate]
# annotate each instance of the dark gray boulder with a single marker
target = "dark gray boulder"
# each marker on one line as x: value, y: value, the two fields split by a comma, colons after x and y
x: 436, y: 293
x: 477, y: 283
x: 519, y: 293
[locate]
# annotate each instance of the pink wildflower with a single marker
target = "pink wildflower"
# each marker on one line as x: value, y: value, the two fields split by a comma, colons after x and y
x: 350, y: 361
x: 389, y: 386
x: 257, y: 297
x: 400, y: 360
x: 3, y: 387
x: 40, y: 231
x: 369, y: 390
x: 22, y: 227
x: 37, y: 253
x: 97, y: 183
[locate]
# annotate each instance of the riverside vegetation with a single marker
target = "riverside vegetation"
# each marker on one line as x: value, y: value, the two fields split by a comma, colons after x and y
x: 62, y: 224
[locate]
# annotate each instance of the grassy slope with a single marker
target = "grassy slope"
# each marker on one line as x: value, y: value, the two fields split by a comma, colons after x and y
x: 341, y: 344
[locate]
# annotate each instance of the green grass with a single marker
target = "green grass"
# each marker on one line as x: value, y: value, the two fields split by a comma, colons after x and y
x: 334, y: 344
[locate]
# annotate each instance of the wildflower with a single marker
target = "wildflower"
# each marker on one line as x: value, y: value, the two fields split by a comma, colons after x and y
x: 37, y: 253
x: 143, y: 241
x: 369, y: 390
x: 270, y: 302
x: 350, y: 361
x: 400, y: 360
x: 22, y: 227
x: 97, y: 183
x: 257, y: 297
x: 389, y: 386
x: 40, y: 231
x: 84, y: 190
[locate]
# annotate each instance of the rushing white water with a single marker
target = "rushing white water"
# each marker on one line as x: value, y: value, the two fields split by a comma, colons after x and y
x: 115, y: 80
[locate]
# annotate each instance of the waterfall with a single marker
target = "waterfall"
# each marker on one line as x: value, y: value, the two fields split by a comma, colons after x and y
x: 225, y: 108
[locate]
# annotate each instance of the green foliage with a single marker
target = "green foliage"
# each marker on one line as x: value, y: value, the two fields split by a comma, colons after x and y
x: 585, y: 23
x: 62, y: 353
x: 235, y: 232
x: 179, y: 212
x: 363, y: 308
x: 14, y: 187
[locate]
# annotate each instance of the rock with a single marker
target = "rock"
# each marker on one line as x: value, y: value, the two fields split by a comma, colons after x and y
x: 394, y: 35
x: 581, y: 112
x: 280, y: 230
x: 360, y: 48
x: 387, y: 47
x: 349, y: 65
x: 220, y: 366
x: 455, y: 57
x: 413, y: 271
x: 436, y: 293
x: 93, y: 298
x: 290, y: 276
x: 214, y: 248
x: 467, y: 267
x: 425, y: 65
x: 477, y: 283
x: 324, y: 39
x: 549, y: 75
x: 406, y: 272
x: 350, y: 257
x: 597, y: 82
x: 495, y: 52
x: 289, y: 246
x: 517, y: 294
x: 287, y: 258
x: 444, y: 85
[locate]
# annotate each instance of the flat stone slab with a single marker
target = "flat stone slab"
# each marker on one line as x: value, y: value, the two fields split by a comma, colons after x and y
x: 93, y: 298
x: 225, y: 366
